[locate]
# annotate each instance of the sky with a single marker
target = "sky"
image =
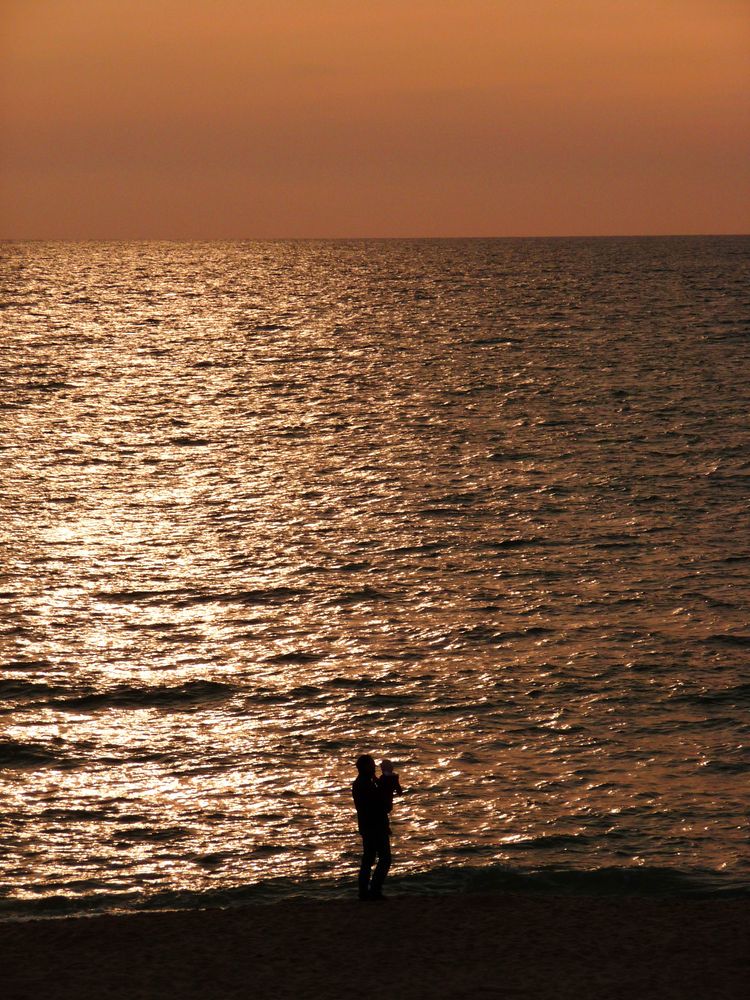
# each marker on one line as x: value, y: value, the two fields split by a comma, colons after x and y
x: 243, y: 119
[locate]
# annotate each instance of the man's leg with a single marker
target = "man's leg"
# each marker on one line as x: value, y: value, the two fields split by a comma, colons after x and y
x: 383, y: 847
x: 369, y: 850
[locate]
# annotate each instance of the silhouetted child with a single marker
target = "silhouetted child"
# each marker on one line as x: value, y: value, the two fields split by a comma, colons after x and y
x: 389, y: 784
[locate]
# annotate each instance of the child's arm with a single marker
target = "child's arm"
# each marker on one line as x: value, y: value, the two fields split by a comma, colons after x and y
x: 397, y: 785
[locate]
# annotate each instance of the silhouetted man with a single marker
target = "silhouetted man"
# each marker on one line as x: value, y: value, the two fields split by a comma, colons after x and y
x: 372, y: 819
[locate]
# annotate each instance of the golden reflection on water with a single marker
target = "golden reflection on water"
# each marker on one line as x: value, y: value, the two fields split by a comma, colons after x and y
x: 271, y: 508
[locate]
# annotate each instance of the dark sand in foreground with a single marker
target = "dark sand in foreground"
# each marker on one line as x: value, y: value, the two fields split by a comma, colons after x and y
x: 453, y: 947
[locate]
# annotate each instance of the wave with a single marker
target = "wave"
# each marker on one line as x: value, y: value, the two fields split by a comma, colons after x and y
x: 441, y: 881
x: 510, y: 456
x: 740, y: 694
x: 16, y: 754
x: 493, y: 637
x: 512, y: 543
x: 125, y: 696
x: 27, y: 664
x: 264, y: 595
x: 729, y: 639
x: 496, y: 340
x: 133, y: 596
x: 183, y: 599
x: 146, y: 834
x: 550, y: 841
x: 294, y: 657
x: 18, y: 690
x: 364, y: 594
x: 53, y: 385
x: 425, y: 549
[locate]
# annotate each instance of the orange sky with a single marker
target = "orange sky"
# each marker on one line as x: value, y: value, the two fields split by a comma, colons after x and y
x: 214, y: 119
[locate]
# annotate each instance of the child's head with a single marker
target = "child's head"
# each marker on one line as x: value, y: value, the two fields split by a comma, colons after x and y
x: 386, y: 767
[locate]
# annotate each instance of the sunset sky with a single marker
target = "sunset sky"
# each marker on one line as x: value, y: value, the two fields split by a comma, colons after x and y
x: 214, y: 119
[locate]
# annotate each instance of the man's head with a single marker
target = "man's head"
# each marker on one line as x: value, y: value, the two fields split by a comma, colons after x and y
x: 365, y: 766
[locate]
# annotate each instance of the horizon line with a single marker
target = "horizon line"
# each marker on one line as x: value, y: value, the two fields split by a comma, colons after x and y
x: 370, y: 238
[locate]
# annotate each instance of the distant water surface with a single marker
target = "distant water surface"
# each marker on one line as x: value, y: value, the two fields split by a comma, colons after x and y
x: 479, y: 506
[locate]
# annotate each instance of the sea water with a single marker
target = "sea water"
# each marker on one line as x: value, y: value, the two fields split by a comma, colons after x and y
x: 479, y: 506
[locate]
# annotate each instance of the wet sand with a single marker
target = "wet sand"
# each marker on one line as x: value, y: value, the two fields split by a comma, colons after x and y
x: 452, y: 947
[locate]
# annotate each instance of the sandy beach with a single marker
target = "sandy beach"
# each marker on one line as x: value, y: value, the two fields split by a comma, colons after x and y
x: 453, y: 947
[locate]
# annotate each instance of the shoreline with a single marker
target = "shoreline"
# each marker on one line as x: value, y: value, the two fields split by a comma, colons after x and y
x: 460, y: 947
x: 467, y: 880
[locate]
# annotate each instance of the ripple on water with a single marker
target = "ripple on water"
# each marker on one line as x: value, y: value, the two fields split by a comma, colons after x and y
x: 480, y: 506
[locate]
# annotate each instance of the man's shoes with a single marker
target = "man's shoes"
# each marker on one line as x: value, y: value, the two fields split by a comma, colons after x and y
x: 374, y: 895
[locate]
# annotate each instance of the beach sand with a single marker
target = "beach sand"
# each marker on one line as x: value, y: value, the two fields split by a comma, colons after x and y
x: 459, y: 947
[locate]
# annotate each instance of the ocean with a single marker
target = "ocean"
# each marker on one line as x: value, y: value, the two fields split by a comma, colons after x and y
x: 478, y: 506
